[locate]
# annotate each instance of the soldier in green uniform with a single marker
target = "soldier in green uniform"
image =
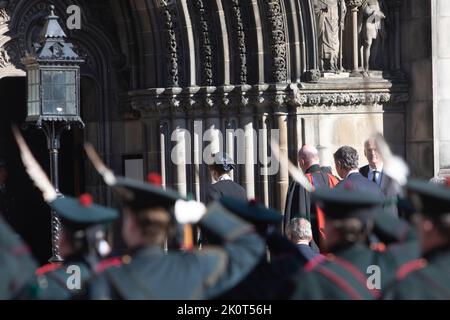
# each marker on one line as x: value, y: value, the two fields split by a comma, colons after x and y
x: 16, y: 263
x: 428, y: 277
x: 80, y: 245
x: 353, y: 270
x: 150, y: 215
x: 269, y: 278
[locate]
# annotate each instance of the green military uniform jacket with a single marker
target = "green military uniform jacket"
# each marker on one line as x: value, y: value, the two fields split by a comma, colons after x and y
x: 150, y: 273
x: 16, y: 263
x: 351, y: 272
x: 423, y: 279
x: 59, y: 281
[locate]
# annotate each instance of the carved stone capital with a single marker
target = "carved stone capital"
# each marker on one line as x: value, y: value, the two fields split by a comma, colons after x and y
x: 354, y: 3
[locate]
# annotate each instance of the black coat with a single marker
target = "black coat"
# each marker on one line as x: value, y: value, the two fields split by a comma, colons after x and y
x: 298, y: 200
x: 226, y: 188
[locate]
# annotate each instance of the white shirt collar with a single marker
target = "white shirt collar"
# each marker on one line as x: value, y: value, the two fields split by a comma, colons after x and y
x: 352, y: 171
x: 225, y: 176
x: 379, y: 169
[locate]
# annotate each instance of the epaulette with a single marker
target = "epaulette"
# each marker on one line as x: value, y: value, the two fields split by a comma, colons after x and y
x: 409, y: 267
x: 112, y: 262
x: 47, y: 268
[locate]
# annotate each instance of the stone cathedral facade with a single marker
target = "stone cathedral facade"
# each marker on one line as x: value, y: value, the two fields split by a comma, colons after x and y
x: 164, y: 79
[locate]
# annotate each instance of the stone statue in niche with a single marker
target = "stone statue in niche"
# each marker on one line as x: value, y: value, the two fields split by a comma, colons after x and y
x: 330, y: 15
x: 371, y: 25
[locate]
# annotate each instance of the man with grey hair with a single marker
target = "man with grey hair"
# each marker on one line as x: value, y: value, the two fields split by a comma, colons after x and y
x: 298, y: 202
x: 299, y: 232
x: 374, y: 172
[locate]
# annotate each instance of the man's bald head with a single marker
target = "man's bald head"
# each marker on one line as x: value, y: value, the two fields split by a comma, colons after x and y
x: 308, y: 156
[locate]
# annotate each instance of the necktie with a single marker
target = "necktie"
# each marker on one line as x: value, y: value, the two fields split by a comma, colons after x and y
x: 374, y: 178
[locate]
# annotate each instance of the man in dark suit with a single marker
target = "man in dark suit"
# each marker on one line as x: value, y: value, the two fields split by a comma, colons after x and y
x: 346, y: 161
x: 299, y: 232
x: 374, y: 172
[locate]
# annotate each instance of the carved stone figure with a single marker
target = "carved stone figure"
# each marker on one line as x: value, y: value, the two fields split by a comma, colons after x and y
x: 330, y: 15
x: 370, y: 27
x: 5, y: 60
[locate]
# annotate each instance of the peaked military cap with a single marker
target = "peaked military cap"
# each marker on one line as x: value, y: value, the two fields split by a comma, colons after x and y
x: 140, y: 195
x: 428, y: 198
x: 251, y: 211
x: 224, y: 160
x: 341, y: 203
x: 82, y: 211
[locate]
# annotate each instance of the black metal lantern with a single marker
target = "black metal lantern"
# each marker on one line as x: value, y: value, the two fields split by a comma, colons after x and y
x: 53, y: 73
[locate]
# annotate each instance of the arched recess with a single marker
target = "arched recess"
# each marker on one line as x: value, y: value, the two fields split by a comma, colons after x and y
x: 102, y: 60
x: 308, y: 35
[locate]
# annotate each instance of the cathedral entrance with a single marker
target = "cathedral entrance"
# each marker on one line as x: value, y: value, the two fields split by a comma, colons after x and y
x: 28, y: 214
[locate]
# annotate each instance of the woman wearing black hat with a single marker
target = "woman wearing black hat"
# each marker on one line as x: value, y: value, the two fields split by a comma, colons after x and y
x: 223, y: 185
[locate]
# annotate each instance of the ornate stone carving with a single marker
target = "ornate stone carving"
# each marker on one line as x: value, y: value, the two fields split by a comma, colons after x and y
x: 4, y: 17
x: 312, y: 76
x: 148, y: 103
x: 5, y: 60
x: 169, y: 17
x: 346, y: 99
x: 206, y: 45
x: 330, y: 15
x: 239, y: 38
x: 277, y: 40
x: 26, y: 36
x: 371, y: 25
x: 354, y: 3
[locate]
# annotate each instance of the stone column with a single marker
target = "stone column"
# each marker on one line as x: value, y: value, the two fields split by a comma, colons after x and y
x: 441, y: 85
x: 353, y: 5
x: 245, y: 149
x: 282, y: 183
x: 397, y: 53
x: 230, y: 126
x: 164, y: 137
x: 179, y: 154
x: 262, y: 154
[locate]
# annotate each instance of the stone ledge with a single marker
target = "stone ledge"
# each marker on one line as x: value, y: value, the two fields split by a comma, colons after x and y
x: 328, y: 93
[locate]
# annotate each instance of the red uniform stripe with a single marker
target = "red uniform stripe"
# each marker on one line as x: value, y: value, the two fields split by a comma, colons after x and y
x: 409, y: 267
x: 47, y: 268
x: 357, y: 274
x: 340, y: 283
x: 112, y: 262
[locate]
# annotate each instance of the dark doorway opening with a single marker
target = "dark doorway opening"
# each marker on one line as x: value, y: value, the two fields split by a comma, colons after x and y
x: 30, y: 215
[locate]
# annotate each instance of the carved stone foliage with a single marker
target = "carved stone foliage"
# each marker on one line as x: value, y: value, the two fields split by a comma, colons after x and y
x: 239, y: 39
x: 31, y: 24
x: 151, y: 103
x: 343, y: 99
x: 277, y: 40
x: 207, y: 48
x: 9, y: 55
x: 170, y: 30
